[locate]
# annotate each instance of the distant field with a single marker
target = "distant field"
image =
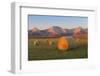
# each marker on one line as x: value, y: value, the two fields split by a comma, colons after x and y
x: 45, y: 52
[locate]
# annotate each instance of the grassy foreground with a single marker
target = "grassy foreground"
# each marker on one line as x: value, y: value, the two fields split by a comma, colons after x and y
x: 45, y: 52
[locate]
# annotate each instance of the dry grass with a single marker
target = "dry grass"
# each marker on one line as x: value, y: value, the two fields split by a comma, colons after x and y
x: 44, y: 51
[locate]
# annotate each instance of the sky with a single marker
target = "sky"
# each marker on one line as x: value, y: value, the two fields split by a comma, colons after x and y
x: 44, y: 21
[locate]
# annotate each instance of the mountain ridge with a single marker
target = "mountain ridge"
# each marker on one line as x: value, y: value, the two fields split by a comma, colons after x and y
x: 56, y: 31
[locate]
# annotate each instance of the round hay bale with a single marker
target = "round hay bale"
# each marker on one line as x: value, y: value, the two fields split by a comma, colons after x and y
x: 72, y: 42
x: 64, y: 43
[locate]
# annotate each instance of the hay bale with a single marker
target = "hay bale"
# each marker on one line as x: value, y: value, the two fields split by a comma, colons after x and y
x: 72, y: 43
x: 62, y: 43
x: 65, y: 43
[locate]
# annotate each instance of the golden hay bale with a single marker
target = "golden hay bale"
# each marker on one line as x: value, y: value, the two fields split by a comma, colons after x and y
x: 65, y: 43
x: 49, y: 42
x: 62, y: 44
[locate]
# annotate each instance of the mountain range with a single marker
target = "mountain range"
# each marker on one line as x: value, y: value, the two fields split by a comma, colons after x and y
x: 55, y: 31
